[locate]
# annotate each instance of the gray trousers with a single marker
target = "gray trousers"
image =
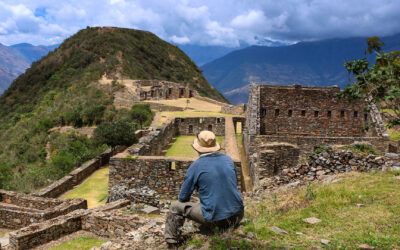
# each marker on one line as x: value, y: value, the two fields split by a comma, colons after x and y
x: 179, y: 211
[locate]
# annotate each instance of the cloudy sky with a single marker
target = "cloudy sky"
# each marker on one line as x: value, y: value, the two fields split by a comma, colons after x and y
x: 201, y: 22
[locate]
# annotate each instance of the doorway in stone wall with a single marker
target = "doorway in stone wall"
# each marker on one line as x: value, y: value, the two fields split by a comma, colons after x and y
x: 190, y: 129
x: 238, y: 127
x: 209, y: 128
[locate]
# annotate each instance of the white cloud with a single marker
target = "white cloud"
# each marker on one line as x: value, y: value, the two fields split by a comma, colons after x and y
x: 179, y: 39
x: 204, y: 22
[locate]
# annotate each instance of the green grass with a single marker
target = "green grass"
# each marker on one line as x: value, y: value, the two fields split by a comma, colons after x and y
x: 394, y: 135
x: 182, y: 146
x: 81, y: 243
x: 343, y: 223
x: 94, y: 189
x: 389, y: 111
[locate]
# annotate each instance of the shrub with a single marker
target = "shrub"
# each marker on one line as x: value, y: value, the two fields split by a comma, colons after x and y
x: 120, y: 132
x: 141, y: 113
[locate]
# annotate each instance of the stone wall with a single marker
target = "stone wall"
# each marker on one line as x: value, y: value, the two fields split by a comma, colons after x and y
x: 78, y: 175
x: 18, y: 210
x: 311, y: 111
x: 239, y: 109
x: 148, y: 179
x: 332, y: 162
x: 307, y: 117
x: 193, y: 125
x: 155, y: 141
x: 41, y: 233
x: 156, y: 90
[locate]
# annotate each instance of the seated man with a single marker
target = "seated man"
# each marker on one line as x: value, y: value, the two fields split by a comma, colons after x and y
x: 214, y: 177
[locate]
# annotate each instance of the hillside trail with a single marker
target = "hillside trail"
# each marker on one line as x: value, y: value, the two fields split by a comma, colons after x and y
x: 156, y: 119
x: 231, y: 147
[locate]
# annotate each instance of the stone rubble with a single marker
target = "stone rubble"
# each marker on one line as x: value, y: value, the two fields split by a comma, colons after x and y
x: 331, y: 162
x: 137, y: 195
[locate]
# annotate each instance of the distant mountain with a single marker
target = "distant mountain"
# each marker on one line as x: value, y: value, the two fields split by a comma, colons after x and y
x: 15, y: 59
x: 317, y: 63
x: 204, y: 54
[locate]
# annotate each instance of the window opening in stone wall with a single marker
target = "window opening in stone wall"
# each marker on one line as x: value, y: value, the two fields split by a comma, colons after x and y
x: 210, y: 127
x: 190, y: 129
x: 316, y: 113
x: 303, y: 113
x: 329, y: 114
x: 341, y: 113
x: 355, y: 114
x: 263, y: 112
x: 218, y: 120
x: 172, y: 165
x: 365, y: 117
x: 182, y: 120
x: 290, y: 113
x: 276, y: 112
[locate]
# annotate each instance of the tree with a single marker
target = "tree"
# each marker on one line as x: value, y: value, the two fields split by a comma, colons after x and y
x: 379, y: 82
x: 141, y: 113
x: 120, y: 132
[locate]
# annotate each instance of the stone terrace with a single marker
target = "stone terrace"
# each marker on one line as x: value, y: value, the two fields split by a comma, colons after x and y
x: 19, y: 210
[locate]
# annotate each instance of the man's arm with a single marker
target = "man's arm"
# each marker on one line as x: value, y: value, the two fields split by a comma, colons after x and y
x: 188, y: 185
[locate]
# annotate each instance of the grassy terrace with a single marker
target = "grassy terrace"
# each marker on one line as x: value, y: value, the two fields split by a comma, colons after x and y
x: 94, y: 189
x: 347, y: 226
x: 81, y: 243
x: 182, y: 146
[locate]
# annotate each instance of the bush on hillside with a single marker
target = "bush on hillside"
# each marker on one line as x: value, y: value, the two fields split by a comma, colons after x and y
x: 141, y: 113
x: 120, y: 132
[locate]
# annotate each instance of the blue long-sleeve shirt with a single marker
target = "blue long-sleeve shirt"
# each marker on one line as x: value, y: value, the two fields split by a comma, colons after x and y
x: 214, y: 177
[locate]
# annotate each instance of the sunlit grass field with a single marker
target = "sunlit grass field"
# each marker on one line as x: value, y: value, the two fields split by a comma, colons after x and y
x: 182, y: 146
x: 94, y: 189
x: 346, y: 225
x: 81, y: 243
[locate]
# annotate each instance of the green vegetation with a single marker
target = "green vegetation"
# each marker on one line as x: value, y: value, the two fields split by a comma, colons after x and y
x: 319, y: 150
x: 182, y: 146
x: 81, y: 243
x: 394, y: 135
x: 381, y: 81
x: 140, y: 113
x: 60, y: 90
x: 94, y: 189
x: 120, y: 132
x: 345, y: 224
x: 362, y: 149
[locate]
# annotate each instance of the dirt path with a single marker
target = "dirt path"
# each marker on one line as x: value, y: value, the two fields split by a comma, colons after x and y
x: 231, y: 147
x: 156, y: 119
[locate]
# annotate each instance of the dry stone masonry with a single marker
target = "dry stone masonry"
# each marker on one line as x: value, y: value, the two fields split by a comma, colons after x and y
x: 19, y: 210
x: 149, y: 179
x: 331, y: 162
x: 305, y: 118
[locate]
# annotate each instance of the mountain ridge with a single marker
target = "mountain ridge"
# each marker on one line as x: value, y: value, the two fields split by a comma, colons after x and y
x: 317, y: 63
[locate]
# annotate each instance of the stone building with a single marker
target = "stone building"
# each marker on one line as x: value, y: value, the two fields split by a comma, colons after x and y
x: 156, y: 90
x: 304, y: 118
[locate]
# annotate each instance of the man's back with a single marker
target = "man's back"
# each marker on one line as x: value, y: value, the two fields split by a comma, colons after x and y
x: 215, y: 179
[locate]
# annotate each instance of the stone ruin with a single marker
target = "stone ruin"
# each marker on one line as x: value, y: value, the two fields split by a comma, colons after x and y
x: 143, y: 174
x: 162, y: 90
x: 286, y: 122
x: 281, y: 124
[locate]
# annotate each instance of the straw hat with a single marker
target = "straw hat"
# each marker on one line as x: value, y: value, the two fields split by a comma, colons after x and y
x: 206, y: 142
